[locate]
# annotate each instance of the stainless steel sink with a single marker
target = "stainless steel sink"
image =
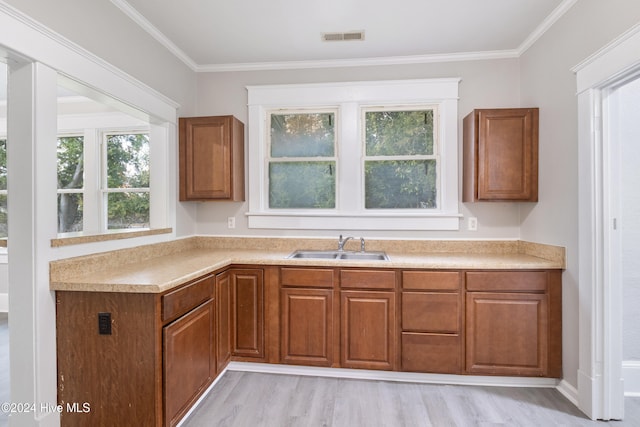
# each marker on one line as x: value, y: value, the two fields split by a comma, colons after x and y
x: 345, y: 255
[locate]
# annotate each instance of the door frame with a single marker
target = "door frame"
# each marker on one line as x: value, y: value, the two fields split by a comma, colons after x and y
x: 600, y: 384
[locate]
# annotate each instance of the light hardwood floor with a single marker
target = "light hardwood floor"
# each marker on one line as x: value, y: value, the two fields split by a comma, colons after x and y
x: 254, y: 399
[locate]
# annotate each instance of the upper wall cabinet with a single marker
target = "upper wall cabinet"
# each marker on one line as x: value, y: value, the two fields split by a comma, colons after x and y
x: 500, y: 160
x: 211, y: 158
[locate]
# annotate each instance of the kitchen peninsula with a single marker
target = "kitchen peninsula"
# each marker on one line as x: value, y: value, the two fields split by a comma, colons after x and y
x: 143, y: 332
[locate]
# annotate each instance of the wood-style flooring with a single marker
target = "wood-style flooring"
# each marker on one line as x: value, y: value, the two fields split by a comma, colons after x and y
x: 243, y: 399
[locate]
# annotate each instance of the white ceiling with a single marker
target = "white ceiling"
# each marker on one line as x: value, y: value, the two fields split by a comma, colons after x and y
x: 211, y: 35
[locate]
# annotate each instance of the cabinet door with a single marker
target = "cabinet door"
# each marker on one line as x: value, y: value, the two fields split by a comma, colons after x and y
x: 223, y: 317
x: 247, y: 325
x: 211, y: 158
x: 189, y: 360
x: 368, y: 324
x: 307, y: 326
x: 507, y: 333
x: 500, y: 155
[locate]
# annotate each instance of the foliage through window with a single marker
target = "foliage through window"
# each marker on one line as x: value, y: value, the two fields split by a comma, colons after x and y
x: 3, y: 188
x: 302, y: 162
x: 70, y: 183
x: 126, y: 180
x: 400, y: 163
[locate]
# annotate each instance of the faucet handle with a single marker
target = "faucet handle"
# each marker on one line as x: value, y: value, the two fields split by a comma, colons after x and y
x: 362, y: 244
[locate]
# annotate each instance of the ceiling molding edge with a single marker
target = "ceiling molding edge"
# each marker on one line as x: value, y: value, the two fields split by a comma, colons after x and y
x: 154, y: 32
x: 548, y: 22
x: 362, y: 62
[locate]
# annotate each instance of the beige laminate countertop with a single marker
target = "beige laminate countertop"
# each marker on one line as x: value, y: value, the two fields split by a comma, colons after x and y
x: 156, y: 269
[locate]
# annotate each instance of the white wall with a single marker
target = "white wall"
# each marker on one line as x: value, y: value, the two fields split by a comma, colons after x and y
x: 485, y: 84
x: 547, y: 82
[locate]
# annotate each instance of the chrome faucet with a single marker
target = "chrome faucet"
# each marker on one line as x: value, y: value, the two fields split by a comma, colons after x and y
x: 341, y: 242
x: 362, y: 244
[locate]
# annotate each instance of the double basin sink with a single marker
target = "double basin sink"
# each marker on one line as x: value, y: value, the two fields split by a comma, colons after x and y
x: 339, y: 255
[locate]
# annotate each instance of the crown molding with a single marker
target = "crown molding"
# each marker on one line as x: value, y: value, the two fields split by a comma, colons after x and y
x: 154, y: 32
x: 548, y: 22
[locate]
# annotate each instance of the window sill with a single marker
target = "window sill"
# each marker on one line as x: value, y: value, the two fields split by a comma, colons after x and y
x: 79, y: 238
x: 398, y: 221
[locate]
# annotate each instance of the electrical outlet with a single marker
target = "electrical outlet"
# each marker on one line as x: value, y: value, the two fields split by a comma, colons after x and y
x: 104, y: 323
x: 472, y: 224
x: 231, y: 222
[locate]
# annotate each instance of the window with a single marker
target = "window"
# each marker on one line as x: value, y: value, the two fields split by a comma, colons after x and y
x: 360, y: 155
x: 70, y: 183
x: 3, y: 188
x: 400, y: 162
x: 301, y: 161
x: 125, y: 183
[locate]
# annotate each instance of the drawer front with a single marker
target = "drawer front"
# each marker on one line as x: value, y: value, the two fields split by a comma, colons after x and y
x: 516, y: 281
x: 307, y: 277
x: 181, y: 300
x: 431, y: 312
x: 431, y: 280
x: 431, y: 353
x: 368, y: 279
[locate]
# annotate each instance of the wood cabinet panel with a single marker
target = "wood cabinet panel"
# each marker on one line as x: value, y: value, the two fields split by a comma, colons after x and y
x: 500, y: 155
x: 437, y: 353
x: 127, y: 390
x: 431, y: 312
x: 368, y: 279
x: 368, y: 325
x: 223, y: 320
x: 431, y: 280
x: 247, y: 313
x: 211, y: 158
x: 307, y: 326
x: 189, y: 360
x: 513, y: 281
x: 507, y: 333
x: 180, y: 301
x: 307, y: 277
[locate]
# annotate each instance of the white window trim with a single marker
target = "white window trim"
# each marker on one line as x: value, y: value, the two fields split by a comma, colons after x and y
x: 350, y: 98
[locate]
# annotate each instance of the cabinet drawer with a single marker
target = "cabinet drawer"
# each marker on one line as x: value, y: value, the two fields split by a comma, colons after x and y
x: 431, y: 280
x: 307, y: 277
x: 530, y: 281
x: 431, y: 312
x: 431, y: 353
x: 368, y: 279
x: 178, y: 302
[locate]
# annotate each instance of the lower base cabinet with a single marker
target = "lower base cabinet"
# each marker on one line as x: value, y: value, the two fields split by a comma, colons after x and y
x: 189, y: 360
x: 368, y: 330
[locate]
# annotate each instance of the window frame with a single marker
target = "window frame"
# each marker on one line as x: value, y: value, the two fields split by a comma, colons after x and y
x: 349, y: 98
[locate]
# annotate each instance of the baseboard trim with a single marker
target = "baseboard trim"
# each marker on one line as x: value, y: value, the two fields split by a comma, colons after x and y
x: 394, y: 376
x: 631, y: 376
x: 568, y: 391
x: 4, y: 303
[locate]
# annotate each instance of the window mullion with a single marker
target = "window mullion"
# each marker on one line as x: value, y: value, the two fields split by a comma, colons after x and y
x: 350, y: 176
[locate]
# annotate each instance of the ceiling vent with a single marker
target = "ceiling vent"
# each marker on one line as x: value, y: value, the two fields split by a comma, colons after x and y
x: 336, y: 37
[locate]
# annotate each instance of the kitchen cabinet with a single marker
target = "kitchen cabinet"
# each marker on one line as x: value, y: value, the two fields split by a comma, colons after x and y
x: 500, y: 155
x: 368, y: 319
x: 307, y: 316
x: 211, y: 158
x: 247, y: 313
x: 189, y: 360
x: 431, y: 322
x: 513, y: 323
x: 136, y: 358
x: 223, y: 320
